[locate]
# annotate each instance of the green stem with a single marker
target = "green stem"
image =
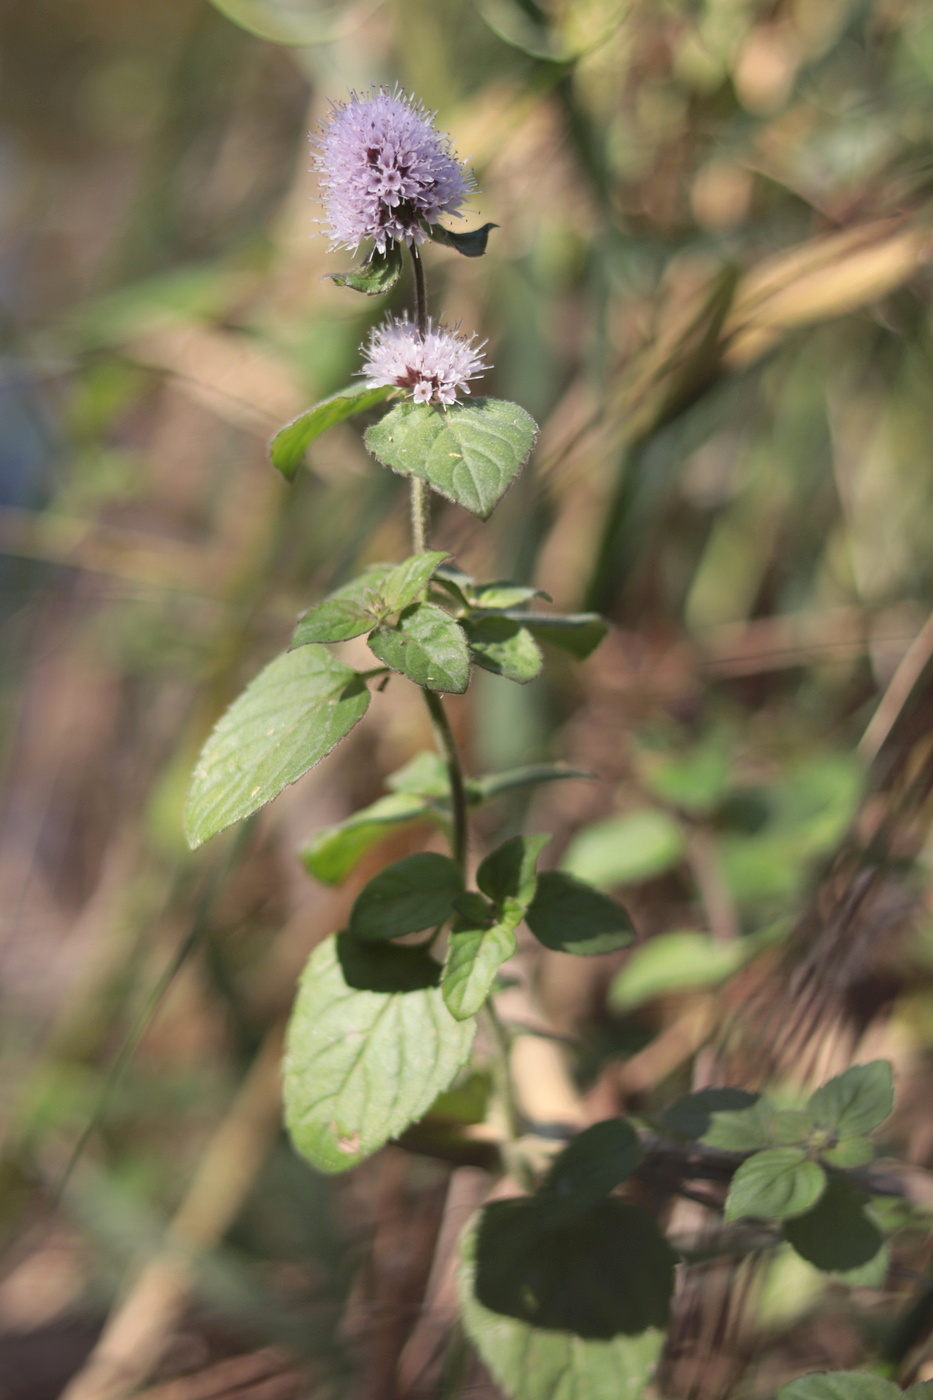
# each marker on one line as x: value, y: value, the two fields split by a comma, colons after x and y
x: 458, y: 798
x: 421, y: 296
x: 420, y: 514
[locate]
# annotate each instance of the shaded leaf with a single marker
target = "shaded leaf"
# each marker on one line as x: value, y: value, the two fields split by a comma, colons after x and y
x: 692, y: 1115
x: 777, y: 1183
x: 578, y: 633
x: 625, y: 849
x: 470, y: 453
x: 674, y: 961
x: 855, y: 1101
x: 424, y: 775
x: 288, y: 447
x: 360, y: 1066
x: 837, y: 1234
x: 501, y: 645
x: 595, y: 1163
x: 414, y: 893
x: 509, y: 872
x: 291, y: 715
x: 347, y: 612
x: 335, y: 850
x: 492, y: 784
x: 472, y: 243
x: 505, y: 595
x: 840, y: 1385
x: 572, y: 917
x: 428, y: 646
x: 741, y: 1129
x: 378, y: 274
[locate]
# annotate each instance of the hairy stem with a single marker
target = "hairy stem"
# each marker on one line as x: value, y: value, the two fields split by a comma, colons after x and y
x: 420, y: 514
x: 458, y: 798
x: 421, y: 296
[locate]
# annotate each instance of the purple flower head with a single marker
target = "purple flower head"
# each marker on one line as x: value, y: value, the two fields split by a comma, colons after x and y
x: 434, y: 368
x: 385, y: 169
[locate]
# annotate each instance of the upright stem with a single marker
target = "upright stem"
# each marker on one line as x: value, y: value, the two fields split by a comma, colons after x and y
x: 458, y: 799
x: 421, y: 296
x: 420, y: 515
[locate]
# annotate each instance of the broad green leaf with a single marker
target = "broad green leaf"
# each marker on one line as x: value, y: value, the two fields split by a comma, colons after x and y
x: 474, y: 955
x: 407, y: 581
x: 424, y: 775
x: 855, y: 1101
x: 414, y: 893
x: 840, y: 1385
x: 286, y: 720
x: 470, y: 453
x: 472, y: 243
x: 692, y: 1115
x: 741, y: 1129
x: 674, y: 961
x: 501, y: 645
x: 777, y: 1183
x: 361, y: 1065
x: 492, y: 784
x: 578, y: 633
x: 455, y: 582
x: 849, y: 1152
x: 336, y: 850
x: 505, y: 595
x: 288, y: 447
x: 790, y: 1126
x: 604, y: 1271
x: 530, y: 1363
x: 509, y: 871
x: 625, y: 849
x: 595, y: 1163
x: 428, y: 646
x: 570, y: 916
x: 836, y: 1235
x: 378, y: 274
x: 349, y: 611
x: 695, y: 781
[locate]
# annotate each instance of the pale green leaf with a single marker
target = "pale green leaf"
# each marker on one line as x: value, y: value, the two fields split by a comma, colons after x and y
x: 855, y: 1101
x: 474, y: 956
x: 840, y: 1385
x: 674, y: 961
x: 625, y: 849
x: 406, y: 582
x: 288, y: 447
x: 362, y: 1065
x: 470, y: 453
x: 287, y: 719
x: 335, y: 850
x: 778, y: 1183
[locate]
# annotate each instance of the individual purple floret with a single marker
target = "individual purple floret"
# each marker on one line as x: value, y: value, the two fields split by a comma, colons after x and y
x: 385, y: 169
x: 434, y: 368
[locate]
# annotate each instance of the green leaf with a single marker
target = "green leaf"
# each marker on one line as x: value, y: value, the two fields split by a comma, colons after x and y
x: 470, y: 453
x: 530, y: 1363
x: 692, y: 1115
x: 407, y: 581
x: 378, y: 274
x: 775, y: 1184
x: 578, y: 633
x: 571, y: 917
x: 605, y: 1271
x: 291, y: 715
x: 741, y: 1129
x: 288, y: 447
x: 855, y: 1101
x: 347, y: 612
x: 493, y: 784
x: 297, y: 22
x: 505, y: 595
x: 790, y: 1126
x: 336, y: 850
x: 674, y: 961
x: 427, y: 646
x: 849, y: 1152
x: 625, y: 849
x: 509, y: 871
x: 840, y: 1385
x: 472, y: 244
x: 424, y: 775
x: 361, y: 1065
x: 414, y: 893
x: 837, y: 1234
x: 694, y: 781
x: 595, y: 1163
x: 474, y: 955
x: 499, y: 644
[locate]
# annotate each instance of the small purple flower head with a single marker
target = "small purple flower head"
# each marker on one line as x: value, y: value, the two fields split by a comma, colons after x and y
x: 385, y: 169
x: 434, y: 368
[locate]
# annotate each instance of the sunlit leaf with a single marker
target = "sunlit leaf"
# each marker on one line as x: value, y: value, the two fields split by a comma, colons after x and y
x: 855, y: 1101
x: 428, y: 646
x: 335, y: 850
x: 288, y: 447
x: 624, y: 849
x: 777, y: 1183
x: 674, y: 961
x: 378, y: 274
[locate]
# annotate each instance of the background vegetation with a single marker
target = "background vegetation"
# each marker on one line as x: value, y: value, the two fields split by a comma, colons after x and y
x: 711, y: 286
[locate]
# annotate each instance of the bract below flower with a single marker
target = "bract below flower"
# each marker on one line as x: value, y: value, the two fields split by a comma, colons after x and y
x: 435, y: 368
x: 385, y: 170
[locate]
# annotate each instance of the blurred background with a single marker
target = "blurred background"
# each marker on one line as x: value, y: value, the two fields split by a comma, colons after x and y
x: 711, y: 286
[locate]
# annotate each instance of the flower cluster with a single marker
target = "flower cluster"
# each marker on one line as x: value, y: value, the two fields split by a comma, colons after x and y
x: 385, y: 170
x: 434, y: 367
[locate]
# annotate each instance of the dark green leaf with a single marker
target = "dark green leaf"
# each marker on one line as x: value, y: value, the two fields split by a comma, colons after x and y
x: 674, y: 961
x: 360, y: 1066
x: 290, y: 443
x: 692, y: 1115
x: 837, y: 1234
x: 414, y: 893
x: 474, y: 956
x: 572, y: 917
x: 335, y: 850
x: 499, y: 644
x: 385, y: 967
x: 840, y: 1385
x: 595, y: 1163
x: 287, y: 719
x: 428, y: 646
x: 455, y: 582
x: 533, y: 1364
x: 855, y: 1101
x: 470, y: 453
x: 625, y: 849
x: 579, y: 633
x: 777, y: 1183
x: 472, y: 243
x: 606, y: 1271
x: 492, y: 784
x: 378, y: 274
x: 509, y: 871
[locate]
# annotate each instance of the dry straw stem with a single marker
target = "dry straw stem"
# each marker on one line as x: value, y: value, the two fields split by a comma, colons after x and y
x: 140, y: 1324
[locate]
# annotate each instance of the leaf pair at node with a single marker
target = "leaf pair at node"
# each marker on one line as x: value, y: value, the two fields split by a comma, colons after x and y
x: 380, y: 271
